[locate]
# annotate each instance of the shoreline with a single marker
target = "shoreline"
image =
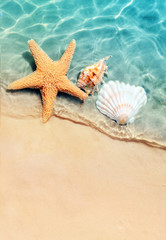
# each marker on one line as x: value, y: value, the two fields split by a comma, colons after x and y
x: 68, y: 181
x: 87, y: 123
x: 67, y: 107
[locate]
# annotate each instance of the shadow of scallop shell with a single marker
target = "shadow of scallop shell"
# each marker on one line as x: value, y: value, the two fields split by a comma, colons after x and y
x: 120, y: 101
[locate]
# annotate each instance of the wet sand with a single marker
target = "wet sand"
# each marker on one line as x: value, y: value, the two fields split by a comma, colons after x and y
x: 64, y: 181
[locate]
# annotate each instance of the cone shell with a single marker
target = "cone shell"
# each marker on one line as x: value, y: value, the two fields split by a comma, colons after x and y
x: 120, y: 101
x: 92, y: 75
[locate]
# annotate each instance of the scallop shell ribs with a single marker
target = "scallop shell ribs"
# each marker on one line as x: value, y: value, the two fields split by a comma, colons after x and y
x: 120, y: 101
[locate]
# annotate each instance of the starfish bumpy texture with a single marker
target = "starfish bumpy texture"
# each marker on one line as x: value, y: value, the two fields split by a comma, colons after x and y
x: 50, y: 77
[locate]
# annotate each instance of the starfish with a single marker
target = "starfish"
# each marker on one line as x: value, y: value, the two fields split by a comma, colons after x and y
x: 50, y: 77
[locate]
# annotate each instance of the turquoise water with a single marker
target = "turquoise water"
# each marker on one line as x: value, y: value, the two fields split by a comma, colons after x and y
x: 133, y: 32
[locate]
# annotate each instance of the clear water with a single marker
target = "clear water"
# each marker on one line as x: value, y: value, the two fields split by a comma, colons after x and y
x: 132, y: 31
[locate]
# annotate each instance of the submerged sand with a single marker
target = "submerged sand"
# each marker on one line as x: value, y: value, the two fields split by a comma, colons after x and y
x: 64, y: 181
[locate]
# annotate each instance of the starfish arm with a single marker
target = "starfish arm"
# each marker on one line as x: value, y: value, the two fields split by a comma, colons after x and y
x: 68, y: 87
x: 34, y: 80
x: 48, y: 96
x: 64, y: 62
x: 41, y: 58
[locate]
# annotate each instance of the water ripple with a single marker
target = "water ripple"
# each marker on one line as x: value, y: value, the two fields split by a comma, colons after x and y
x: 133, y: 32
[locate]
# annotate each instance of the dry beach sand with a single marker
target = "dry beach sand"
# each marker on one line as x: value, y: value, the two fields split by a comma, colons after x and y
x: 65, y: 181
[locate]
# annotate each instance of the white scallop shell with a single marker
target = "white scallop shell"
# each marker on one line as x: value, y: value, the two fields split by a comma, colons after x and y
x: 120, y: 101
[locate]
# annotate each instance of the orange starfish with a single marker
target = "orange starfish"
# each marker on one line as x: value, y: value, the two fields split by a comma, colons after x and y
x: 50, y: 77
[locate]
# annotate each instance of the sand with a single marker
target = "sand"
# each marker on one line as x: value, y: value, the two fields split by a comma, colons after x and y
x: 64, y: 181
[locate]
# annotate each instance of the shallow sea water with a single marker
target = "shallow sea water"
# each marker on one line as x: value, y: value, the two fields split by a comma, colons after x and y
x: 132, y: 31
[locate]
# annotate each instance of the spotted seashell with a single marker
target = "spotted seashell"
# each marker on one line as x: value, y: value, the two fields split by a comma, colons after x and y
x: 91, y: 76
x: 120, y: 101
